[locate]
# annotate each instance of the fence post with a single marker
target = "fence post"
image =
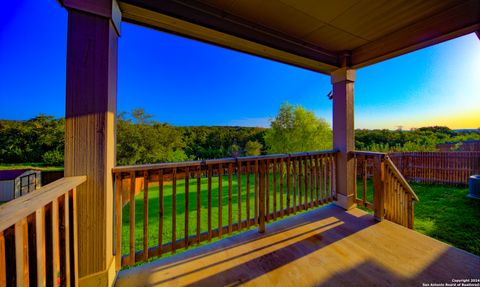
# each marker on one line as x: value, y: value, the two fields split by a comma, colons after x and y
x: 261, y: 202
x: 378, y: 190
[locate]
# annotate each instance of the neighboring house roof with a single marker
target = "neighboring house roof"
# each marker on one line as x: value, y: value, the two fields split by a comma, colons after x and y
x: 11, y: 174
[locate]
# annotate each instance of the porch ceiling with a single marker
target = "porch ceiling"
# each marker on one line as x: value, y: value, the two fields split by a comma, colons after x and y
x: 308, y: 33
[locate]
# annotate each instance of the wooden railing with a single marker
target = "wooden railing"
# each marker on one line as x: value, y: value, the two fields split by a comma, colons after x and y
x: 438, y: 167
x: 398, y: 196
x: 382, y: 188
x: 201, y: 200
x: 38, y: 241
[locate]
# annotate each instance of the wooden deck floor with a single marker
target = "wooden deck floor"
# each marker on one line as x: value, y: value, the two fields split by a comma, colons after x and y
x: 323, y: 247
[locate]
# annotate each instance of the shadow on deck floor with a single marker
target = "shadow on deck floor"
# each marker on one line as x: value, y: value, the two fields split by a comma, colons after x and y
x: 323, y: 247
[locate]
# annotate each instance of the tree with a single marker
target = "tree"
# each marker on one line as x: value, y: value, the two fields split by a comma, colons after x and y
x: 235, y: 150
x: 295, y: 129
x: 28, y: 141
x: 253, y: 148
x: 141, y: 140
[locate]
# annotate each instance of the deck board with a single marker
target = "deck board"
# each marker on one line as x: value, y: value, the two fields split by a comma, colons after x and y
x: 323, y: 247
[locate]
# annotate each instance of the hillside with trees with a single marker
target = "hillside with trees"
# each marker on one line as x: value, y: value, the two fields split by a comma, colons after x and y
x: 421, y: 139
x: 140, y: 139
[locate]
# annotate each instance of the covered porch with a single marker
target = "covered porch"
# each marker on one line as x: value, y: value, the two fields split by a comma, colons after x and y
x: 70, y: 233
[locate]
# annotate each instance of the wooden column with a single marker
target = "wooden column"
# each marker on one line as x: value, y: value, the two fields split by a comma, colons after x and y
x: 93, y: 30
x: 344, y: 135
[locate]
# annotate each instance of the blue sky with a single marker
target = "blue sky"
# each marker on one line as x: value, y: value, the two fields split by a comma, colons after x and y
x: 186, y: 82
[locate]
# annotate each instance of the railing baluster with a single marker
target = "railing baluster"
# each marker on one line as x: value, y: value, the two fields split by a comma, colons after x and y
x: 40, y: 247
x: 21, y: 253
x: 274, y: 189
x: 230, y: 172
x: 55, y: 243
x: 247, y: 174
x: 266, y: 171
x: 325, y: 180
x: 261, y: 218
x: 281, y: 188
x: 330, y: 178
x: 255, y: 193
x: 334, y: 175
x: 312, y: 183
x: 75, y: 237
x: 145, y: 215
x: 378, y: 170
x: 199, y: 201
x: 288, y: 185
x: 66, y: 209
x: 355, y: 172
x: 317, y: 181
x: 187, y: 190
x: 161, y: 211
x: 300, y: 184
x: 3, y: 266
x: 132, y: 217
x: 410, y: 213
x: 294, y: 183
x: 174, y: 209
x: 364, y: 181
x: 305, y: 178
x: 220, y: 207
x: 319, y: 161
x: 210, y: 202
x: 118, y: 221
x: 239, y: 194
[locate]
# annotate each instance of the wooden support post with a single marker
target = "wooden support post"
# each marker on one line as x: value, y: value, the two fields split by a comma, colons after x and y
x: 344, y: 135
x: 93, y: 30
x: 378, y: 190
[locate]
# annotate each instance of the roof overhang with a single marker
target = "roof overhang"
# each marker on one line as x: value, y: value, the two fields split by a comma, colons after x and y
x: 374, y: 39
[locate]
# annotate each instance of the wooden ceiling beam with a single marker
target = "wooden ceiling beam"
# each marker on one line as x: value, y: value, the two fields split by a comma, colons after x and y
x: 449, y: 24
x: 219, y: 24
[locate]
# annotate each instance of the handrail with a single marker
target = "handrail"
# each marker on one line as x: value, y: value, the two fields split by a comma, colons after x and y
x: 23, y: 206
x: 368, y: 153
x: 42, y: 223
x: 194, y: 163
x: 401, y: 178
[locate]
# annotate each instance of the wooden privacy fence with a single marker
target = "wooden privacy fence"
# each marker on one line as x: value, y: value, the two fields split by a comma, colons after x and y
x: 249, y: 191
x: 437, y: 167
x: 391, y: 196
x: 38, y: 239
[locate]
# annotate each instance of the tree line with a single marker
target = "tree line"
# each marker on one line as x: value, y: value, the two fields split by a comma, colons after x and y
x: 421, y: 139
x: 140, y: 139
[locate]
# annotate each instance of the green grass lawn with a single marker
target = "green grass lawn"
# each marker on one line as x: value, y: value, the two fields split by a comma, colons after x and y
x: 29, y: 165
x: 444, y: 212
x: 153, y: 208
